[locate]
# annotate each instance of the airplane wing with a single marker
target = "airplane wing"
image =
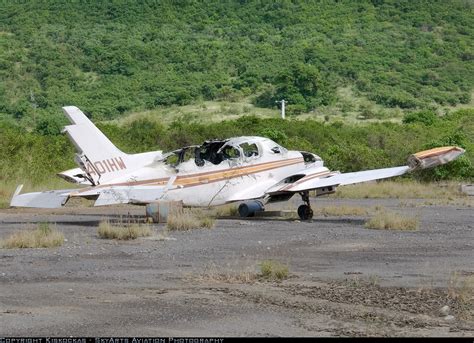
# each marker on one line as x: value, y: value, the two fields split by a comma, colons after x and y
x: 317, y: 180
x: 313, y: 181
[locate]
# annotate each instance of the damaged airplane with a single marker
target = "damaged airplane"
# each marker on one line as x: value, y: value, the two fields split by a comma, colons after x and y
x: 254, y: 170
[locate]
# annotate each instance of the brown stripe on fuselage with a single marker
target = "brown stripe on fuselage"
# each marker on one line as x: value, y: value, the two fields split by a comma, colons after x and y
x: 231, y: 173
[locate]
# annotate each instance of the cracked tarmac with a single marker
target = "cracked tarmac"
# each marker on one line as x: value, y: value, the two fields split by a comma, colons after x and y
x: 345, y: 280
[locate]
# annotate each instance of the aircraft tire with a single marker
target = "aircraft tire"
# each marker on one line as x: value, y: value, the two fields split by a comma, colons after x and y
x: 305, y: 212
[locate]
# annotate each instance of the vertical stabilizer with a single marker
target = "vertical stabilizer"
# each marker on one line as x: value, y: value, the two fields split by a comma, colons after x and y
x: 87, y: 138
x: 97, y: 156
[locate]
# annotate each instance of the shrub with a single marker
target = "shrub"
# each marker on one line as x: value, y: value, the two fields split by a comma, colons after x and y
x: 127, y: 231
x: 385, y: 220
x: 424, y: 117
x: 273, y: 270
x: 189, y: 219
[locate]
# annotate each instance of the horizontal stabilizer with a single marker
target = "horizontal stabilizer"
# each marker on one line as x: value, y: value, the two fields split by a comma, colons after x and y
x: 75, y: 175
x: 48, y: 199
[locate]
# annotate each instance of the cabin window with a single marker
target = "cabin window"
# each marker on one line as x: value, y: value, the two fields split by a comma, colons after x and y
x: 249, y: 150
x: 230, y: 152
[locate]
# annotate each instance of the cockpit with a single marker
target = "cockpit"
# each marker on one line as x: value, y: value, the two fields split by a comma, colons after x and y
x: 216, y: 151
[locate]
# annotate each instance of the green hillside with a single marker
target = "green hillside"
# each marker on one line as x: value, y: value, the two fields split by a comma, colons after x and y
x: 112, y: 57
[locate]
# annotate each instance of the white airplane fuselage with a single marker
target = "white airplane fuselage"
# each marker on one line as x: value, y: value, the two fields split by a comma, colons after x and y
x: 209, y: 183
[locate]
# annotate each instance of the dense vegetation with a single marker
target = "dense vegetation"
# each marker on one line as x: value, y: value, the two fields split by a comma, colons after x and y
x: 112, y: 57
x: 36, y: 158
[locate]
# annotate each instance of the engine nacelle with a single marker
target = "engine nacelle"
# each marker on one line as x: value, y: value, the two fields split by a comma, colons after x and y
x: 248, y: 209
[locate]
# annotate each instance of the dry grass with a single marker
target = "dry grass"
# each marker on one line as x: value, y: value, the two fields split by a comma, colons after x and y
x: 189, y: 219
x: 229, y: 210
x: 400, y: 190
x: 464, y: 202
x: 239, y: 275
x: 269, y: 270
x: 461, y: 291
x: 387, y: 220
x: 211, y: 111
x: 127, y: 231
x: 273, y: 270
x: 42, y: 237
x: 338, y: 211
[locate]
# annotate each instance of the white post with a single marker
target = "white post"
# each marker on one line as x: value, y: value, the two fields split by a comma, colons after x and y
x: 282, y: 108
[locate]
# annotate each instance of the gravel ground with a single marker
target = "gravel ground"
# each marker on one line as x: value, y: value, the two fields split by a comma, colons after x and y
x: 345, y: 280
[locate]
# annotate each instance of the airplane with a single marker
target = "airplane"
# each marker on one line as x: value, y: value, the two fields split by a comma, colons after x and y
x: 252, y: 170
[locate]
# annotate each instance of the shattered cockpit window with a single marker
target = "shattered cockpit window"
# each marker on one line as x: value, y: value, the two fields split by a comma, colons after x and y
x: 180, y: 156
x: 209, y: 151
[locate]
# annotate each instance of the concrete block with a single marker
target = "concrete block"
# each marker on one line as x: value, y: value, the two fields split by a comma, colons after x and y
x: 468, y: 189
x: 158, y: 211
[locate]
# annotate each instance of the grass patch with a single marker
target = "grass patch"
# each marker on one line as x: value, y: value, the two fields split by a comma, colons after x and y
x: 189, y: 219
x: 461, y: 291
x: 273, y: 270
x: 242, y: 275
x: 267, y: 270
x: 387, y: 220
x: 128, y: 231
x: 229, y: 210
x: 400, y: 190
x: 463, y: 202
x: 212, y: 111
x: 42, y: 237
x: 343, y: 210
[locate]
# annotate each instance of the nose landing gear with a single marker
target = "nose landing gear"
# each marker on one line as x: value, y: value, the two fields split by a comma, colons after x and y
x: 304, y: 211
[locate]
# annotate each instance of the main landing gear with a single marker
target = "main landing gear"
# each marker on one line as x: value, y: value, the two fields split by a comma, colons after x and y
x: 304, y: 211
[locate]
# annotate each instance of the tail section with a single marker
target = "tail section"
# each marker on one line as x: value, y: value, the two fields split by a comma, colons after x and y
x: 87, y: 138
x: 98, y: 157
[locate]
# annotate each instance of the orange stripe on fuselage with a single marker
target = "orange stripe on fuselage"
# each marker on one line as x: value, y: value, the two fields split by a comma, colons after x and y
x: 193, y: 180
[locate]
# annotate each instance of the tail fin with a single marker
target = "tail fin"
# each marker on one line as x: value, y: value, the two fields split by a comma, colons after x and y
x: 97, y: 156
x: 87, y: 138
